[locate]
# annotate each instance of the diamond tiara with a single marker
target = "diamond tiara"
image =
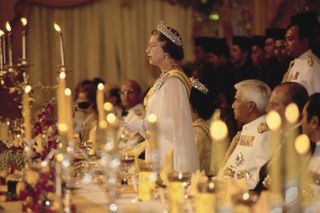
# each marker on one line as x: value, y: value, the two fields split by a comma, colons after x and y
x: 198, y: 85
x: 174, y: 37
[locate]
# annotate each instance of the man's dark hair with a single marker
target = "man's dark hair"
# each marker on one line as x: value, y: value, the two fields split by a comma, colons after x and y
x: 295, y: 93
x: 313, y: 107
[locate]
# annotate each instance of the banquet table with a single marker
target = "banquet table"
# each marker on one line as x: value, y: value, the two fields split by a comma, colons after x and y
x: 91, y: 198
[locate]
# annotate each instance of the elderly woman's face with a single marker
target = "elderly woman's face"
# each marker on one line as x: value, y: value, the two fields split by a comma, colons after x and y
x: 154, y: 51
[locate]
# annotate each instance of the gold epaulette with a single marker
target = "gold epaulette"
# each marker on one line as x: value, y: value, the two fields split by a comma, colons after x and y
x: 183, y: 78
x: 262, y: 127
x: 309, y: 60
x: 138, y: 112
x: 246, y: 140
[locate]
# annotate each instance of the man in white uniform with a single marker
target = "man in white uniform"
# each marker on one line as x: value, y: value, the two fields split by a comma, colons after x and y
x: 311, y: 126
x: 305, y: 68
x: 250, y: 148
x: 131, y: 98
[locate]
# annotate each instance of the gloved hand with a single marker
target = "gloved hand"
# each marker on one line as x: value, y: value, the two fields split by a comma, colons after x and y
x: 135, y: 126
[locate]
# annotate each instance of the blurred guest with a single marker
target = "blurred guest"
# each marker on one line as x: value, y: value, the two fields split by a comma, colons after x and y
x: 274, y: 70
x: 258, y: 56
x: 250, y: 148
x: 311, y: 127
x: 112, y: 95
x: 131, y: 98
x: 86, y: 104
x: 300, y: 35
x: 240, y: 58
x: 201, y: 112
x: 282, y: 95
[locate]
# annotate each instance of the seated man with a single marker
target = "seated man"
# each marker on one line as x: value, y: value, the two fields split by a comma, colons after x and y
x: 131, y: 98
x: 281, y: 97
x: 250, y: 148
x: 311, y: 126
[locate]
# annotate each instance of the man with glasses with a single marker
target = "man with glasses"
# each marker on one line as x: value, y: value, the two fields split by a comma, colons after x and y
x: 131, y: 99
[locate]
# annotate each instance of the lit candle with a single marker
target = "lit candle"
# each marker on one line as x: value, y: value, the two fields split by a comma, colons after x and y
x: 4, y: 49
x: 108, y: 106
x: 58, y: 182
x: 24, y: 50
x: 219, y: 134
x: 111, y: 131
x: 61, y: 97
x: 58, y: 29
x: 8, y: 27
x: 100, y: 102
x: 302, y: 146
x: 1, y: 55
x: 27, y: 113
x: 273, y: 120
x: 153, y: 140
x: 291, y: 115
x: 63, y: 129
x: 68, y: 108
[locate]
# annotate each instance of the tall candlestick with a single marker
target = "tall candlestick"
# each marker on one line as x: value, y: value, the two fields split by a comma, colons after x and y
x: 58, y: 182
x: 4, y: 49
x: 302, y: 146
x: 61, y: 97
x: 112, y: 132
x: 27, y: 113
x: 100, y: 101
x: 153, y: 140
x: 68, y: 108
x: 291, y: 115
x: 1, y: 55
x: 24, y: 49
x: 8, y: 27
x: 274, y: 123
x: 58, y: 29
x: 219, y: 134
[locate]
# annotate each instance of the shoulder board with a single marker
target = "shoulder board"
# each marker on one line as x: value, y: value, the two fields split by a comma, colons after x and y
x: 262, y: 127
x: 309, y: 60
x: 183, y: 78
x: 138, y: 112
x: 246, y: 140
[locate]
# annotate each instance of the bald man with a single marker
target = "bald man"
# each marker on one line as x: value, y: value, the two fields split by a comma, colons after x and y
x: 131, y: 97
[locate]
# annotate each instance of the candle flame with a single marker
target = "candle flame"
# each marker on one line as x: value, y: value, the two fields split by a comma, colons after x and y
x: 1, y: 33
x: 59, y: 157
x: 111, y: 118
x: 8, y: 27
x: 292, y: 113
x: 302, y: 144
x: 62, y: 127
x: 67, y: 92
x: 27, y: 89
x: 108, y: 106
x: 57, y: 28
x: 103, y: 124
x: 62, y: 75
x: 24, y: 21
x: 100, y: 86
x: 152, y: 118
x: 218, y: 130
x: 273, y: 120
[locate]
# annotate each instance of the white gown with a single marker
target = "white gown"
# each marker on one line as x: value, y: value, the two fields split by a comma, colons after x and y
x: 170, y: 102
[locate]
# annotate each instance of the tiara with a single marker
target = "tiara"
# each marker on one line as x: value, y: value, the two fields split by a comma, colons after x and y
x: 198, y: 85
x: 174, y: 37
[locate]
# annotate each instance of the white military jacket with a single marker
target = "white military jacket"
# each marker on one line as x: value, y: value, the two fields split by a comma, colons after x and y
x: 314, y: 172
x: 306, y: 71
x: 127, y: 139
x: 251, y: 153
